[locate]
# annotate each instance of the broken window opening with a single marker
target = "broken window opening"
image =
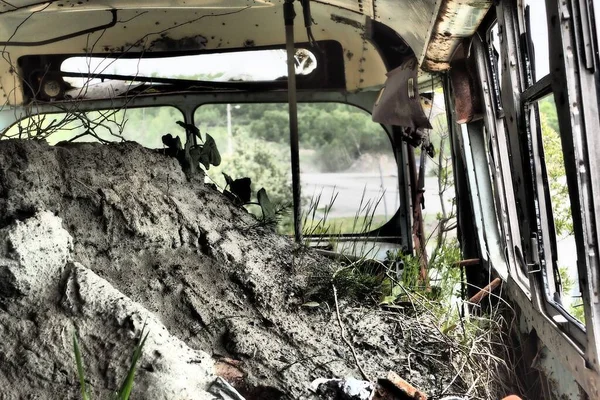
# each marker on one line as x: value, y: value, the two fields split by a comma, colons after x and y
x: 564, y: 247
x: 536, y: 31
x: 558, y: 247
x: 495, y: 54
x: 142, y: 125
x: 348, y: 170
x: 238, y: 66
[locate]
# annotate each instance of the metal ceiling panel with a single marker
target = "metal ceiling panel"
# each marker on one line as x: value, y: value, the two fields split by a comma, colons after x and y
x: 359, y: 6
x: 139, y: 30
x: 74, y: 5
x: 412, y: 19
x: 416, y: 21
x: 58, y: 27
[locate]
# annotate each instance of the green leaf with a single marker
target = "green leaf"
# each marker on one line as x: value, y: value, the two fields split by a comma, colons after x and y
x: 448, y: 329
x: 387, y: 300
x: 209, y: 153
x: 127, y: 386
x: 190, y: 128
x: 228, y: 179
x: 80, y: 373
x: 386, y: 286
x: 242, y: 189
x: 268, y: 209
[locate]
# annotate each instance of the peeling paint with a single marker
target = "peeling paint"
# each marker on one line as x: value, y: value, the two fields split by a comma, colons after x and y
x: 165, y: 43
x: 456, y: 20
x: 347, y: 21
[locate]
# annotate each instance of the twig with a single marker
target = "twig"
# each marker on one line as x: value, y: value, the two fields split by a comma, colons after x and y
x: 87, y: 187
x: 337, y: 311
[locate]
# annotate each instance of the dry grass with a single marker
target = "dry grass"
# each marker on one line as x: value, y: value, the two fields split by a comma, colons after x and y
x: 479, y: 346
x: 474, y: 350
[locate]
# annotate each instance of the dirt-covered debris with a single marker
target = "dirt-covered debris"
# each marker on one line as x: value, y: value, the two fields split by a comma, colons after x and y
x: 102, y: 239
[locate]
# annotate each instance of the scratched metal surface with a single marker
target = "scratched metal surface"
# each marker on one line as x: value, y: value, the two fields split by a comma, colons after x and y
x: 412, y: 19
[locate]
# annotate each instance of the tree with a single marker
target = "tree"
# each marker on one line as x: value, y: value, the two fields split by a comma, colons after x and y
x: 443, y: 171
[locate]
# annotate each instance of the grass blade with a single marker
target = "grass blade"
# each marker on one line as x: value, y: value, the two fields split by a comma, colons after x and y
x: 80, y: 373
x: 127, y: 386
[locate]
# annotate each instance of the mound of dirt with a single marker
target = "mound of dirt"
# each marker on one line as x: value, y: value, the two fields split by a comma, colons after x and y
x: 107, y: 239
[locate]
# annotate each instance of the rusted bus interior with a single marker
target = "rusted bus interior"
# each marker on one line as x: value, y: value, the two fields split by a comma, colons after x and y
x: 484, y: 56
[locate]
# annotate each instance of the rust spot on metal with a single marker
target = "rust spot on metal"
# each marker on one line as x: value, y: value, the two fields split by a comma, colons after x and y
x: 165, y: 43
x: 347, y: 21
x: 435, y: 66
x: 401, y: 387
x: 448, y: 32
x: 349, y: 55
x: 249, y: 43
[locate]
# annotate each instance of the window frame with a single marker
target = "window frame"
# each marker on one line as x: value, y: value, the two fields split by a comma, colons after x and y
x: 379, y: 234
x: 549, y: 281
x: 519, y: 93
x: 58, y: 110
x: 577, y: 113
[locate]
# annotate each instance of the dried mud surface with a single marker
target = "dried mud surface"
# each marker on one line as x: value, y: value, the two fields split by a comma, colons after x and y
x: 145, y: 245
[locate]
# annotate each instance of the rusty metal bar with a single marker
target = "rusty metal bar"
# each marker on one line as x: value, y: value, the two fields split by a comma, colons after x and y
x: 468, y: 262
x: 483, y: 293
x: 404, y: 387
x: 418, y: 231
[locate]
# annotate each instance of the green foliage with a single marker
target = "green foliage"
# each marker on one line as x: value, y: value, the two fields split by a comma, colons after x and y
x: 339, y: 225
x: 555, y: 168
x: 126, y: 387
x: 410, y: 268
x: 240, y: 188
x: 85, y: 393
x: 207, y: 154
x: 338, y: 132
x: 559, y: 193
x: 143, y: 125
x: 268, y: 209
x: 444, y: 278
x: 263, y: 162
x: 565, y: 279
x: 447, y: 276
x: 576, y: 310
x: 356, y: 276
x: 357, y: 281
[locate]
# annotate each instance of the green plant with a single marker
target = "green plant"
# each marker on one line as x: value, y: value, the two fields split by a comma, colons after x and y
x: 206, y: 153
x: 356, y: 275
x: 567, y: 282
x: 559, y: 198
x: 126, y: 387
x: 239, y: 189
x: 577, y: 311
x: 85, y: 393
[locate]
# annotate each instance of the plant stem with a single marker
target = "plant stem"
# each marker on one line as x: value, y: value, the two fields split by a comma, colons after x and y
x: 337, y: 311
